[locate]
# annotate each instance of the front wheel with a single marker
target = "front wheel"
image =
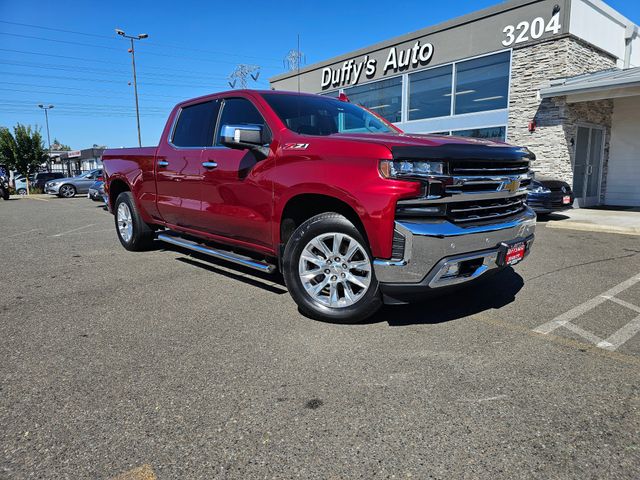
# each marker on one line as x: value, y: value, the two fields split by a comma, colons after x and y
x: 328, y: 270
x: 67, y: 191
x: 22, y: 191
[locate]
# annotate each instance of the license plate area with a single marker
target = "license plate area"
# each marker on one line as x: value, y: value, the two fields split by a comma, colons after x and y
x: 512, y: 253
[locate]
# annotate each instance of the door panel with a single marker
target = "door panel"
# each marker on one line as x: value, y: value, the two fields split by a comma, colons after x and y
x: 179, y: 186
x: 236, y: 198
x: 179, y: 164
x: 595, y: 155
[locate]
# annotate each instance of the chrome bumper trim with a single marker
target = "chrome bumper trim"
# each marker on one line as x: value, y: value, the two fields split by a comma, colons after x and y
x: 430, y: 242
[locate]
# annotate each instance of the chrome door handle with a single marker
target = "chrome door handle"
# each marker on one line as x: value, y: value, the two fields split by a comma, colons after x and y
x: 209, y: 164
x: 163, y: 163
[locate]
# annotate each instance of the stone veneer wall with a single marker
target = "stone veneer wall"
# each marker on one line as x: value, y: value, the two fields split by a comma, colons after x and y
x: 532, y: 68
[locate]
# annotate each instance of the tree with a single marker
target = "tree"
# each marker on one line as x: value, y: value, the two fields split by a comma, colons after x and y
x: 23, y: 150
x: 61, y: 147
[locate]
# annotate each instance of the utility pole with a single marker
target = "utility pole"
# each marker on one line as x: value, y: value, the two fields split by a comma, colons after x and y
x: 46, y: 119
x: 241, y: 73
x: 132, y: 51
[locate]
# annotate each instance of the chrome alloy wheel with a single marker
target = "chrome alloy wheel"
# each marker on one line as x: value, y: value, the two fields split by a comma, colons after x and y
x: 125, y: 223
x: 335, y: 270
x: 67, y: 191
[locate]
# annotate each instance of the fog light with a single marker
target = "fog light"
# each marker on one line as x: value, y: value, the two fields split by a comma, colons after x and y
x: 452, y: 270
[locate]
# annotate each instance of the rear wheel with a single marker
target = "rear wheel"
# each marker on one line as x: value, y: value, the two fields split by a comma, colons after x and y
x: 5, y: 193
x: 22, y: 191
x: 67, y: 191
x: 134, y: 234
x: 328, y: 270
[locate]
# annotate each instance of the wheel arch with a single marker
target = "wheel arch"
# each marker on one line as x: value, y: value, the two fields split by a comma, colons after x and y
x: 116, y: 187
x: 302, y: 206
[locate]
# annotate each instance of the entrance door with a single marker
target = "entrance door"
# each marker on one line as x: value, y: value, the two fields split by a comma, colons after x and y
x: 587, y: 171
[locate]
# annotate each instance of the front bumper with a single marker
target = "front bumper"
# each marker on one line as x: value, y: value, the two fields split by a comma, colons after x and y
x: 52, y: 190
x: 549, y: 202
x: 431, y: 247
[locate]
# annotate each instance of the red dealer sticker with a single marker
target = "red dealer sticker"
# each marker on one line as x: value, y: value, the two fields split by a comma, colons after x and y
x: 514, y: 253
x: 566, y: 200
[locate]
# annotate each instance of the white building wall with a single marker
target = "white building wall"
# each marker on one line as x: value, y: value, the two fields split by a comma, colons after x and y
x: 603, y: 27
x: 623, y: 176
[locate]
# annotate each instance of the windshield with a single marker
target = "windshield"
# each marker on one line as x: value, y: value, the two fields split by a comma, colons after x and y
x: 316, y: 115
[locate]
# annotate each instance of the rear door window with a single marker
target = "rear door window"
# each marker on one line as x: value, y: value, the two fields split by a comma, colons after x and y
x: 196, y: 125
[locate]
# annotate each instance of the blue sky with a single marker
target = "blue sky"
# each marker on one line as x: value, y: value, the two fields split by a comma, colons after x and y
x: 78, y: 63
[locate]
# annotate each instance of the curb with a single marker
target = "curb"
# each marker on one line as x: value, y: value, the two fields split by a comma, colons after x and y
x: 590, y: 227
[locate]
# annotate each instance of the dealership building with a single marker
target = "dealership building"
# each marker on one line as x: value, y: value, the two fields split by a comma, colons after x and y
x: 561, y: 77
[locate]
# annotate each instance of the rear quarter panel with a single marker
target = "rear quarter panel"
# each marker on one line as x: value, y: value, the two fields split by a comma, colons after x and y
x: 135, y: 167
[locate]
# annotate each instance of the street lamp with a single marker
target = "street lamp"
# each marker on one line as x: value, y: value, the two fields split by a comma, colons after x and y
x: 46, y: 118
x: 135, y: 82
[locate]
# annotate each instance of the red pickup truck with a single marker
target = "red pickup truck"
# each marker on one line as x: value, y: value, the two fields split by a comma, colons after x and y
x: 352, y: 211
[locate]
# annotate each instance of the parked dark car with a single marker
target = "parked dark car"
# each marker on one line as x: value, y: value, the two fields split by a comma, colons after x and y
x: 96, y: 192
x: 43, y: 177
x: 547, y: 196
x: 4, y: 183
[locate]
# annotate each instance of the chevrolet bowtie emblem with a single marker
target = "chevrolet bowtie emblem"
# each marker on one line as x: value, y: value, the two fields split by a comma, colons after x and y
x: 510, y: 185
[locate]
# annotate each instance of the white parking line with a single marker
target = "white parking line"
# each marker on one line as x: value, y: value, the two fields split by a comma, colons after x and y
x: 618, y: 338
x: 583, y: 308
x: 74, y: 230
x: 21, y: 233
x: 621, y: 336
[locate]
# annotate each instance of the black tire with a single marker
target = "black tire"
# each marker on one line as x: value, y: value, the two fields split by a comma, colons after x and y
x: 142, y: 234
x: 68, y: 192
x: 22, y: 191
x: 5, y: 193
x: 325, y: 223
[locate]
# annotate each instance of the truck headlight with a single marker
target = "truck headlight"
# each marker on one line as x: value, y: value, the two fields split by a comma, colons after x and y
x: 407, y: 169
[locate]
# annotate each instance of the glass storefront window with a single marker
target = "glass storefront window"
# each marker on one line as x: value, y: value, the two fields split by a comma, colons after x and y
x: 491, y: 133
x: 430, y: 93
x: 383, y: 97
x: 482, y: 84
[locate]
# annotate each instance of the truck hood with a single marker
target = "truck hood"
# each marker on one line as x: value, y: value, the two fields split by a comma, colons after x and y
x: 414, y: 139
x: 420, y: 146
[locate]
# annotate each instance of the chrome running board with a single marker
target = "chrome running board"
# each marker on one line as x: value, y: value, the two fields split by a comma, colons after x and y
x: 219, y: 254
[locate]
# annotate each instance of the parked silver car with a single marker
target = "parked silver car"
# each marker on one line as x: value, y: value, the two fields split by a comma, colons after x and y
x: 69, y: 187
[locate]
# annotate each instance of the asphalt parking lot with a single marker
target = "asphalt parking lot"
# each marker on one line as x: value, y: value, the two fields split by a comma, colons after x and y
x: 162, y: 364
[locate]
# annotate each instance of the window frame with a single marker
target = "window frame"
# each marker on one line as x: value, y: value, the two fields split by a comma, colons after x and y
x: 219, y: 125
x: 177, y: 119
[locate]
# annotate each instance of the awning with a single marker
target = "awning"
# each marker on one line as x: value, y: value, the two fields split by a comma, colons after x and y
x: 595, y: 86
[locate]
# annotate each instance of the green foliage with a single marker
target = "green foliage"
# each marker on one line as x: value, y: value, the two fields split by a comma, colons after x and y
x: 23, y: 150
x: 61, y: 147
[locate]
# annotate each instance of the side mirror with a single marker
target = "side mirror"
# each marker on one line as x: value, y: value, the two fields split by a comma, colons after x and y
x: 243, y: 136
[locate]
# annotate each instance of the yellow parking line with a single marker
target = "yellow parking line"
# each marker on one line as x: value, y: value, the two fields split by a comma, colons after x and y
x: 145, y: 472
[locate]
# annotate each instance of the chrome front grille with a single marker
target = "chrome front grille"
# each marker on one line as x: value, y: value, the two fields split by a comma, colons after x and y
x: 485, y: 168
x: 485, y: 210
x: 480, y: 184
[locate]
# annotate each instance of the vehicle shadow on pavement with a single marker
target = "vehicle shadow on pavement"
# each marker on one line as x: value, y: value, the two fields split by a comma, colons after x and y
x: 551, y: 217
x: 272, y: 283
x: 491, y: 293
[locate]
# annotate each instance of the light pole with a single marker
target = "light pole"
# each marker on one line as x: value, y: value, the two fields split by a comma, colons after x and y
x: 132, y: 51
x: 46, y: 119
